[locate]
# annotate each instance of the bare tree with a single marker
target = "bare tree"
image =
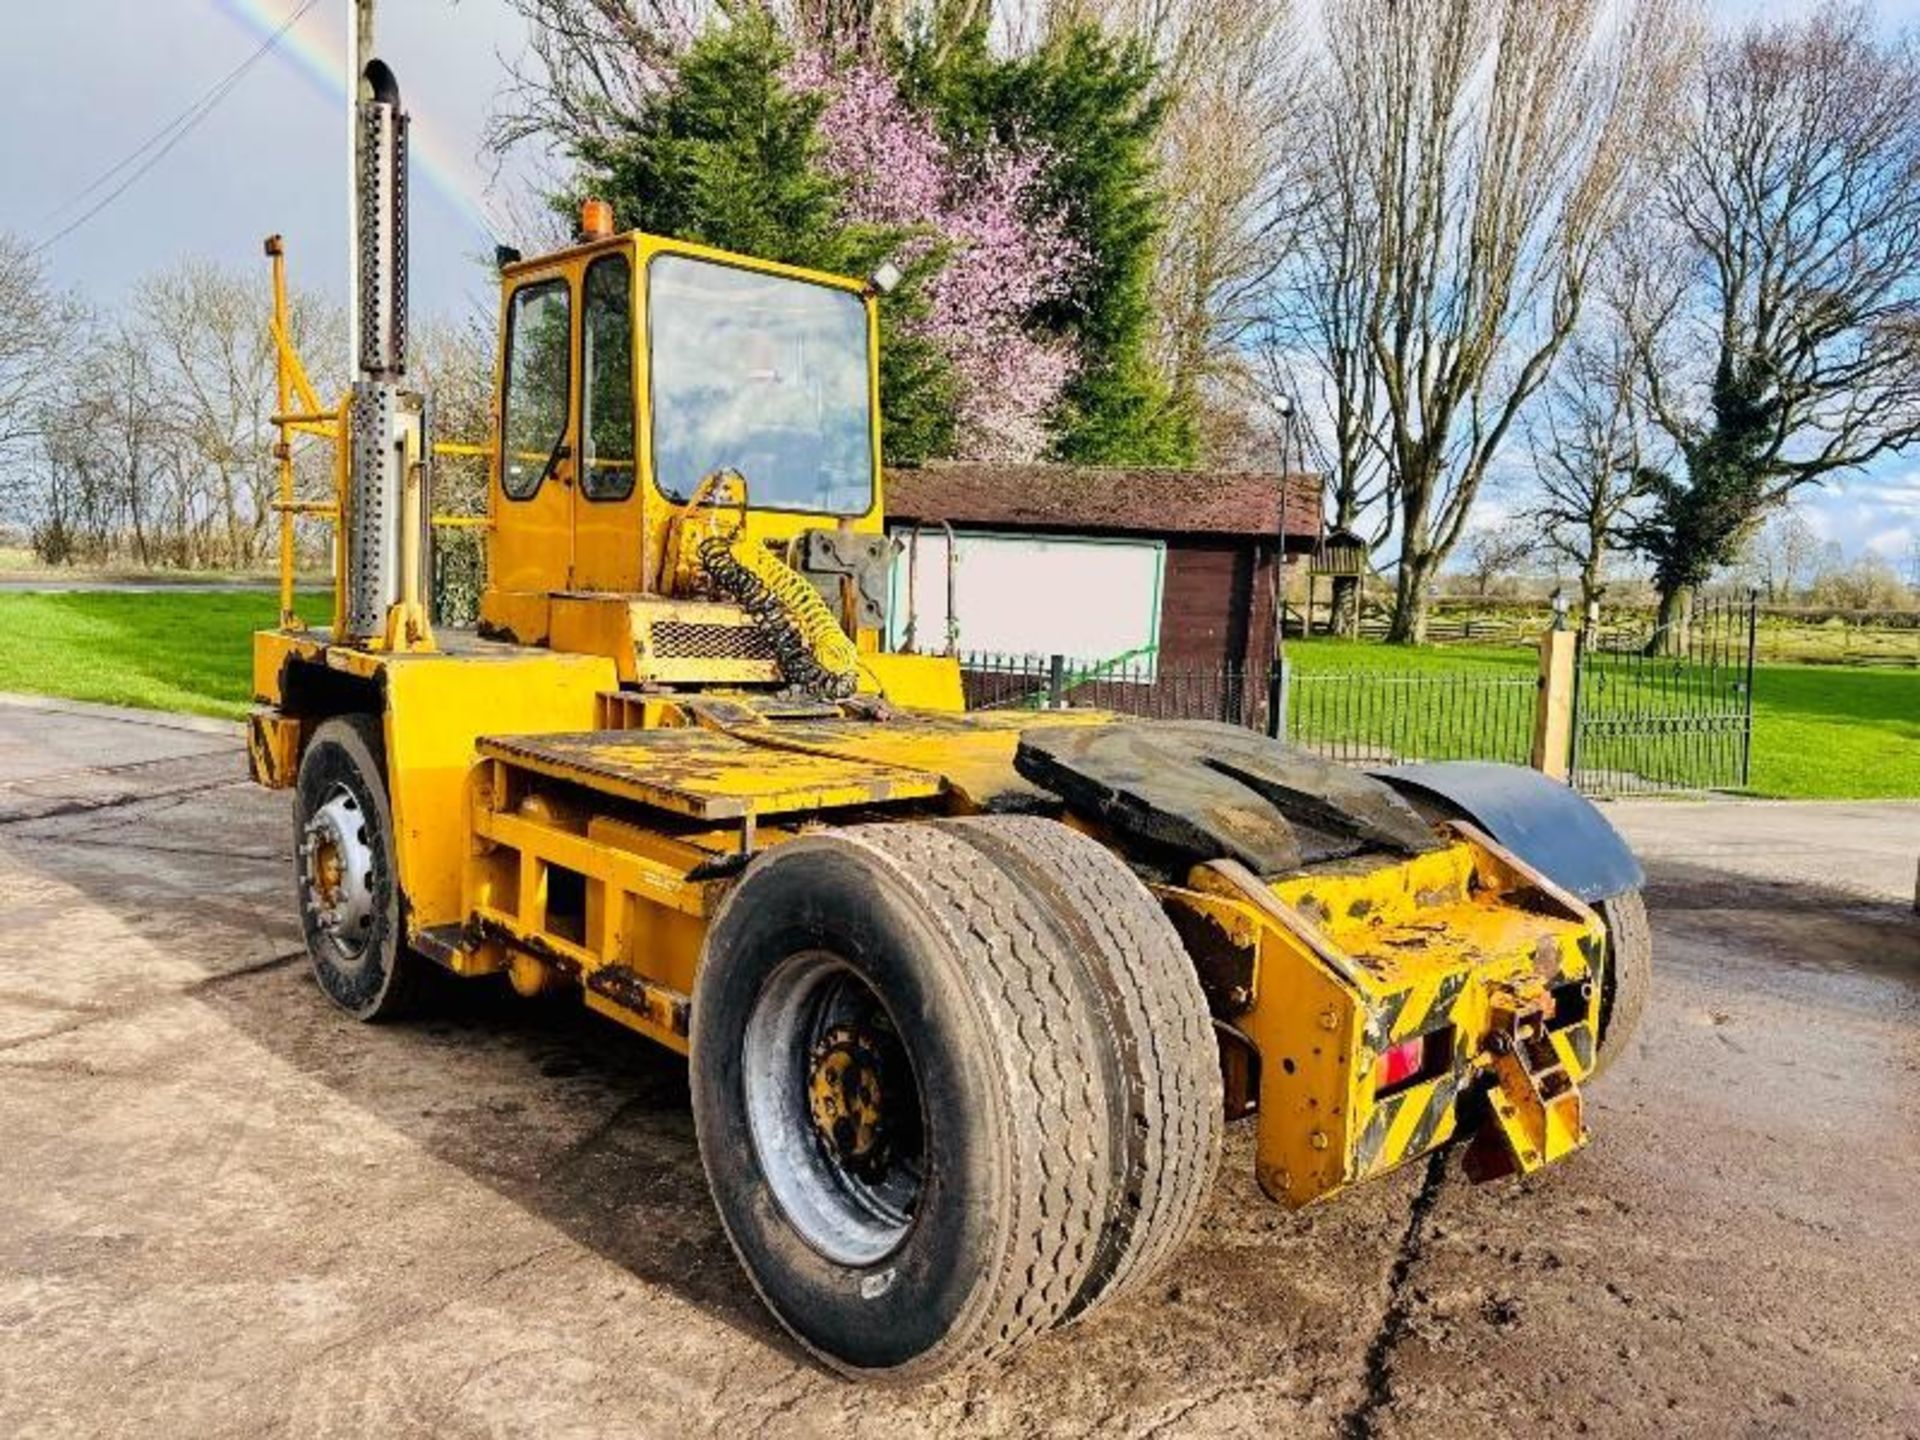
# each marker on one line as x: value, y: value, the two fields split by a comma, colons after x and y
x: 155, y: 442
x: 1229, y: 72
x: 1868, y: 582
x: 37, y: 328
x: 587, y: 63
x: 1478, y: 156
x: 1782, y: 556
x: 1497, y: 552
x: 1590, y: 456
x: 206, y: 328
x: 100, y: 464
x: 1317, y: 343
x: 1782, y: 345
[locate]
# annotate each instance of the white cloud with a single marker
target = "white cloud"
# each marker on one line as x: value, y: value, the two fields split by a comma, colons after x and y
x: 1877, y: 511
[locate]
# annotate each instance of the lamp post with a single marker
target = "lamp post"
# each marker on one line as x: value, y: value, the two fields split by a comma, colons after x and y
x: 1277, y: 669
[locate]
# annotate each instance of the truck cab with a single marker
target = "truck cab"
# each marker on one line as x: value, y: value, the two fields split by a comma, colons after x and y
x: 632, y: 368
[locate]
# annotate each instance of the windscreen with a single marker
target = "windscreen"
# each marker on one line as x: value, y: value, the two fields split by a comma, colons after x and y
x: 761, y: 374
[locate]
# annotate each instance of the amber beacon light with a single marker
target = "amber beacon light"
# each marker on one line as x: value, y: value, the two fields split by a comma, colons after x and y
x: 596, y: 219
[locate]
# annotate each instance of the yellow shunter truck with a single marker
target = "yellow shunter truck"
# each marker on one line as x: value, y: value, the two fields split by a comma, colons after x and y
x: 967, y: 998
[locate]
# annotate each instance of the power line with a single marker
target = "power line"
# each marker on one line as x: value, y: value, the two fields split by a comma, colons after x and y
x: 172, y: 133
x: 210, y: 97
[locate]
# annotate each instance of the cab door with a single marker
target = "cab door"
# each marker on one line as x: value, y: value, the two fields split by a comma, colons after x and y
x: 609, y: 500
x: 534, y: 472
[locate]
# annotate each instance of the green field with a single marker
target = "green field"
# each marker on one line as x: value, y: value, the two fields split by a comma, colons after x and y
x: 188, y: 652
x: 1819, y: 730
x: 1848, y: 734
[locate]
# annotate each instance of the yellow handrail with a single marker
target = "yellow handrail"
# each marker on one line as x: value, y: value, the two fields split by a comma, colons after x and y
x: 292, y: 387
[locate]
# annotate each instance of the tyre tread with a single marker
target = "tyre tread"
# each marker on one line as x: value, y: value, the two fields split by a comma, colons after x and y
x: 1630, y: 981
x: 1047, y: 1042
x: 1170, y: 1111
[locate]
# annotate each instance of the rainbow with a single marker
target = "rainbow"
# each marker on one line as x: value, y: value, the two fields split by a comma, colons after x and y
x: 317, y: 50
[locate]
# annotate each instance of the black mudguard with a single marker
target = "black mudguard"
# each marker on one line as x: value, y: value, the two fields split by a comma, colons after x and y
x: 1551, y: 826
x: 1203, y: 790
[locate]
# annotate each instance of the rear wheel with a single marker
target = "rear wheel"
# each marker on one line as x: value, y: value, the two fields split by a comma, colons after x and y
x: 899, y: 1102
x: 344, y: 868
x: 1158, y: 1045
x: 1628, y: 978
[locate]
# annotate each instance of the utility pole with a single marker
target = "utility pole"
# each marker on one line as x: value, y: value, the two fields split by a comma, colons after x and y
x: 359, y: 51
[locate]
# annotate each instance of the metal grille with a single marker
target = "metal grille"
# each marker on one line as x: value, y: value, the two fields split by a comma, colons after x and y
x: 702, y: 640
x: 1667, y: 708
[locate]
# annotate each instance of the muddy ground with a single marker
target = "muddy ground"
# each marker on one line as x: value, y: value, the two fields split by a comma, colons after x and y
x: 226, y: 1210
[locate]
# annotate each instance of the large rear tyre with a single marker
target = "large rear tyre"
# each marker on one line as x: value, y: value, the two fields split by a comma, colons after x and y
x: 899, y: 1100
x: 1159, y: 1049
x: 344, y: 868
x: 1627, y: 980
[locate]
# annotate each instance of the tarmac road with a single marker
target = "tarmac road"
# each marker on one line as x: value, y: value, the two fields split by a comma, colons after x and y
x: 225, y: 1209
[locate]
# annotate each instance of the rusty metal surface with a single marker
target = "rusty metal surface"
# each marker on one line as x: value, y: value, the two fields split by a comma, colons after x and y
x: 1210, y: 791
x: 709, y: 774
x: 972, y: 753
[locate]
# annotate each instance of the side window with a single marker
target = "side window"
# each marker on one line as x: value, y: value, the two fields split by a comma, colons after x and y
x: 533, y: 418
x: 606, y: 367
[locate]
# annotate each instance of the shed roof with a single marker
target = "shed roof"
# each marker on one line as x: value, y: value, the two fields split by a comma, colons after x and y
x: 1079, y: 498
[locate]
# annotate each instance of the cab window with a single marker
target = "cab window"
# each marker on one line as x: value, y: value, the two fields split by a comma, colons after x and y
x: 606, y: 369
x: 764, y: 374
x: 533, y: 418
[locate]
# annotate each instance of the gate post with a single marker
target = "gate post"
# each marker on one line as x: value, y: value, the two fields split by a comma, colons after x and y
x: 1278, y: 675
x: 1553, y: 713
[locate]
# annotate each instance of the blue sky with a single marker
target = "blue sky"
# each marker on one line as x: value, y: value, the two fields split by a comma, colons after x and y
x: 83, y: 82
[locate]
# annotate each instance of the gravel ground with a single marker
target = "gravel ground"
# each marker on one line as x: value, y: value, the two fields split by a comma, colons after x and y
x: 224, y: 1209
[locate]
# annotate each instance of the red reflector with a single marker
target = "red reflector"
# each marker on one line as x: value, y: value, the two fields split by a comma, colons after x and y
x: 1400, y: 1063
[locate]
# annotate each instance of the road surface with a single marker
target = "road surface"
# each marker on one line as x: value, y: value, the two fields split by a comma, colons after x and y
x: 225, y: 1209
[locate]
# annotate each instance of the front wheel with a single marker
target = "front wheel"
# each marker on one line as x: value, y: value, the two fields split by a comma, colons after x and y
x: 899, y: 1101
x: 345, y: 872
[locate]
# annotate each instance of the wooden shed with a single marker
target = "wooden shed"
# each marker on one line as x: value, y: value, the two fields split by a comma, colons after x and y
x: 1189, y: 561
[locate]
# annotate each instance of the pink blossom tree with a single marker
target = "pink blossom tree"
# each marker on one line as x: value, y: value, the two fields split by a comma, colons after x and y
x: 1006, y: 253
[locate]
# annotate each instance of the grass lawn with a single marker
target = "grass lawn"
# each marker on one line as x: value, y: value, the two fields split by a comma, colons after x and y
x: 1370, y: 703
x: 158, y: 651
x: 1819, y: 730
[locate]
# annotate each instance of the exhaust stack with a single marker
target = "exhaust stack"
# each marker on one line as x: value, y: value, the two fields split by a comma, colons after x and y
x: 381, y: 188
x: 389, y: 535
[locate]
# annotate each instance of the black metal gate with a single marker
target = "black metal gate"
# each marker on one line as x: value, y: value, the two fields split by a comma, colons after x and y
x: 1662, y: 709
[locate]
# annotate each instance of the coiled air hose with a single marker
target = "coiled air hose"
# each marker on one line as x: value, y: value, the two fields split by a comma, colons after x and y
x: 813, y: 652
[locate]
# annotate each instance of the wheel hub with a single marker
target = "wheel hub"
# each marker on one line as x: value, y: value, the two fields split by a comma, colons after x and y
x: 847, y: 1094
x: 337, y: 871
x: 833, y: 1107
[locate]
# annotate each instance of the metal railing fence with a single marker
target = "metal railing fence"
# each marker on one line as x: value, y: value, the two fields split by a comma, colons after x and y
x: 1357, y: 715
x: 1668, y: 708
